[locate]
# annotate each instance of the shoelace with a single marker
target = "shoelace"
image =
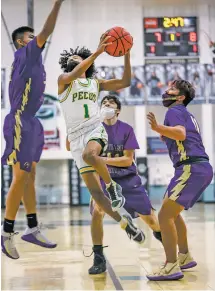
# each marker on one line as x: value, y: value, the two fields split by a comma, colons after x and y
x: 11, y: 238
x: 112, y: 192
x: 87, y: 256
x: 41, y: 226
x: 131, y: 229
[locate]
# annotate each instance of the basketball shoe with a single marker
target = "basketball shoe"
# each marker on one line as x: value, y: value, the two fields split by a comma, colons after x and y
x: 36, y: 236
x: 132, y: 231
x: 186, y: 261
x: 99, y: 262
x: 167, y: 272
x: 8, y: 244
x: 115, y: 193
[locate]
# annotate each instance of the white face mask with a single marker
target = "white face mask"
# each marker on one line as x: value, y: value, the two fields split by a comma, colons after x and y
x: 107, y: 113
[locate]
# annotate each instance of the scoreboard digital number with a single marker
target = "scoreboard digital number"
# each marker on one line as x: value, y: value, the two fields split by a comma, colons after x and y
x: 170, y: 37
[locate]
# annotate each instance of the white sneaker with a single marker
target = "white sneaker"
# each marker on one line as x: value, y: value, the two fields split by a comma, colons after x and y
x: 8, y: 244
x: 186, y: 261
x: 36, y: 236
x: 168, y: 271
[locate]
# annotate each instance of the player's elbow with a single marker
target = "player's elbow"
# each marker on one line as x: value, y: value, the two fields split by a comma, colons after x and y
x: 126, y: 83
x: 129, y: 162
x: 182, y: 136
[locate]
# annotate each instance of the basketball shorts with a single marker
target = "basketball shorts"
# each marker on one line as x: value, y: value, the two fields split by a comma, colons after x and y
x: 24, y: 141
x: 137, y: 199
x: 79, y: 140
x: 189, y: 182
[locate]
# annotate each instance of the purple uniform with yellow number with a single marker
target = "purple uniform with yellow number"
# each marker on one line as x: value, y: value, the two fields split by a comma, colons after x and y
x: 121, y: 137
x: 23, y: 132
x: 193, y: 172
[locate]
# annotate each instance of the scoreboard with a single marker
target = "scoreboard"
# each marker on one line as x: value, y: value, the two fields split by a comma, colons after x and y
x: 170, y: 37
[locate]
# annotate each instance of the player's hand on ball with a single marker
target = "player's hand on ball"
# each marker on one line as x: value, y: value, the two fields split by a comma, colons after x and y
x: 152, y: 121
x: 103, y: 43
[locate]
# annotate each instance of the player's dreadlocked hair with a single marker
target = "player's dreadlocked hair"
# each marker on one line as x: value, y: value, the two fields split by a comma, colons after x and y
x: 185, y: 89
x: 84, y: 53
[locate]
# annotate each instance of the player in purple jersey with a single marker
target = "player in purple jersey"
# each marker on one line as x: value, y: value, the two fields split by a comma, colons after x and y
x: 120, y: 159
x: 23, y: 132
x: 193, y: 173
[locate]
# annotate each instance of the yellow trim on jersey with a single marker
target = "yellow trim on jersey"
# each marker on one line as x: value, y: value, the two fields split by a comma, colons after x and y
x: 12, y: 158
x: 67, y: 93
x: 85, y: 85
x: 181, y: 150
x: 97, y: 84
x: 175, y: 192
x: 86, y: 169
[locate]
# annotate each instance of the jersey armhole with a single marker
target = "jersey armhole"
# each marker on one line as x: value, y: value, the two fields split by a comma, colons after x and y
x: 67, y: 93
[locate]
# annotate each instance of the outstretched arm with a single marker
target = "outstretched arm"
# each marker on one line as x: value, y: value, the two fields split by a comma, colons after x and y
x: 81, y: 68
x: 177, y: 132
x: 49, y: 24
x: 116, y: 84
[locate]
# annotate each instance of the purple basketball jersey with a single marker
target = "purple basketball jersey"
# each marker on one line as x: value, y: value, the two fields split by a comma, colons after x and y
x: 27, y: 82
x: 120, y: 137
x: 23, y: 132
x: 192, y: 146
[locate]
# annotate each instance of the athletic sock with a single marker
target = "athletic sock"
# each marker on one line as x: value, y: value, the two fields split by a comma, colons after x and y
x: 8, y: 225
x: 32, y: 220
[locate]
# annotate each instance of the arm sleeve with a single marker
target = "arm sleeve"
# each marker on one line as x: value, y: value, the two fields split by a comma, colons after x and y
x: 30, y: 56
x: 131, y: 141
x: 33, y: 52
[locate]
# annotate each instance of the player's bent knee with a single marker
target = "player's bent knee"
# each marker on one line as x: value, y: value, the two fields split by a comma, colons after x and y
x: 89, y: 157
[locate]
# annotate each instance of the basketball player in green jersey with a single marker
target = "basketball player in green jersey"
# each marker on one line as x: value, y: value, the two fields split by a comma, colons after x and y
x: 78, y: 92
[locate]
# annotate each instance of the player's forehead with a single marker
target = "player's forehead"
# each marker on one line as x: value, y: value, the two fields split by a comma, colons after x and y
x: 108, y: 100
x: 172, y: 87
x: 75, y: 57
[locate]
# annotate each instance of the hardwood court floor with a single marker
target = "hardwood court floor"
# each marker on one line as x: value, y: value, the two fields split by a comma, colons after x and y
x: 65, y: 268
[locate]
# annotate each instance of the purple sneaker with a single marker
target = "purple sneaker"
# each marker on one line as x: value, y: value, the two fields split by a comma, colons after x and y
x: 35, y: 236
x: 186, y: 261
x: 167, y: 272
x: 8, y: 245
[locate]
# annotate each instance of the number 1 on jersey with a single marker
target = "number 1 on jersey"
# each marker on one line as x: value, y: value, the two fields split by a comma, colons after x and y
x: 86, y: 111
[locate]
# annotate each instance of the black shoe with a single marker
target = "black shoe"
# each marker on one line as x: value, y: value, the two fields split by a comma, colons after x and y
x: 157, y: 235
x: 132, y: 231
x: 116, y: 197
x: 99, y: 265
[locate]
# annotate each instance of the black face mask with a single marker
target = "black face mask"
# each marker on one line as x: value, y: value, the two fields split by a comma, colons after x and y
x: 168, y: 99
x: 71, y: 65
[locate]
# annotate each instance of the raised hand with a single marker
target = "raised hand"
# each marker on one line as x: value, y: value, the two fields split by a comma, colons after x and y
x: 103, y: 43
x: 152, y: 121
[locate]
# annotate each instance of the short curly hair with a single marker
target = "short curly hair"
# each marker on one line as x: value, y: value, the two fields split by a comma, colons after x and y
x: 84, y: 53
x: 185, y: 89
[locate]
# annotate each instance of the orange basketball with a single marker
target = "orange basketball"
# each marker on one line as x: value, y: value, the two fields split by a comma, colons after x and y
x: 121, y: 40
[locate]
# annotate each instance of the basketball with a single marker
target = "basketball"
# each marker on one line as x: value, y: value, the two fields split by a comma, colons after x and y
x: 121, y: 40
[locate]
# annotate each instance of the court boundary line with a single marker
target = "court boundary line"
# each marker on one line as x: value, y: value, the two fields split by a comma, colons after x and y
x: 114, y: 278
